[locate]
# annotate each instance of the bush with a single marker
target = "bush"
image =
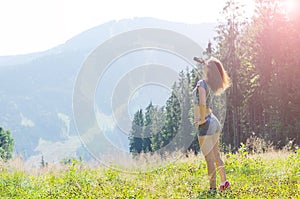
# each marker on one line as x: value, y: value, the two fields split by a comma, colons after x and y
x: 6, y: 144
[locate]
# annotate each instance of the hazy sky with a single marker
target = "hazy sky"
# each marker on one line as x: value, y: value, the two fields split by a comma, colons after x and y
x: 37, y: 25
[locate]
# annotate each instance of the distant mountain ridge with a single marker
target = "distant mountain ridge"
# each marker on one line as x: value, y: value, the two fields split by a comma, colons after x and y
x: 36, y: 89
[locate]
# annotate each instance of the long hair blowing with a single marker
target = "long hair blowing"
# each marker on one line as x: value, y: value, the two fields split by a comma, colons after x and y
x: 217, y: 77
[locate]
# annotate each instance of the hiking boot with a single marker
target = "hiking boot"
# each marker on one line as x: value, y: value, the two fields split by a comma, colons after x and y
x: 224, y: 185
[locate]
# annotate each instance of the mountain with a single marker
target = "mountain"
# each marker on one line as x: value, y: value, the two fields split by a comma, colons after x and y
x: 36, y: 89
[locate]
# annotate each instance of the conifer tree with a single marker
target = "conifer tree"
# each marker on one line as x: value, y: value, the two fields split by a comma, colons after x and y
x: 136, y: 134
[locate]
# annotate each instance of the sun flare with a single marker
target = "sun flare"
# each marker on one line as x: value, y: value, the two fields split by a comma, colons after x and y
x: 290, y: 5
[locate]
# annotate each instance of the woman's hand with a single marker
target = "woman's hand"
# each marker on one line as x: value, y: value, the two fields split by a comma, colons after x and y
x: 199, y: 60
x: 199, y: 123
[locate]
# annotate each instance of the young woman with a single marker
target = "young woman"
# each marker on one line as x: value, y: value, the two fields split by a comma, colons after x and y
x: 215, y: 81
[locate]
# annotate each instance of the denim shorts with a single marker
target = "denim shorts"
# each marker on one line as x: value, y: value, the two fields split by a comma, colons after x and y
x: 210, y: 127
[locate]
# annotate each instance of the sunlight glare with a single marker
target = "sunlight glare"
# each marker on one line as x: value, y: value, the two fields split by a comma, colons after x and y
x: 290, y: 5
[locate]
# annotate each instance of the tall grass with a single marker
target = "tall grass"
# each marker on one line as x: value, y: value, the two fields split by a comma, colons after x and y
x: 263, y: 175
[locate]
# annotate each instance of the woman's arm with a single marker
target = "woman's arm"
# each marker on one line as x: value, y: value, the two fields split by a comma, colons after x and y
x: 202, y: 103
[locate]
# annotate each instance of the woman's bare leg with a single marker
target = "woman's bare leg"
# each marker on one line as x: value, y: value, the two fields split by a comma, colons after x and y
x: 207, y: 148
x: 218, y: 160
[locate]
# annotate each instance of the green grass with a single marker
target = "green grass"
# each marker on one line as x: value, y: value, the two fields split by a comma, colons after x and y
x: 270, y: 175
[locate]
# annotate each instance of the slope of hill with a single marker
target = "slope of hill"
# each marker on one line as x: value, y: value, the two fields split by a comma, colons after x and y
x: 36, y: 89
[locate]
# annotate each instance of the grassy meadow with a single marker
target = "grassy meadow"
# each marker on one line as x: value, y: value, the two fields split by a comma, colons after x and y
x: 264, y: 175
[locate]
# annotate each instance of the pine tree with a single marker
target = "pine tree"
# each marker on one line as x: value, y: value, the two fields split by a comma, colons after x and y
x: 230, y: 35
x: 186, y: 125
x: 277, y: 62
x: 158, y: 121
x: 136, y: 133
x: 149, y: 114
x: 172, y: 121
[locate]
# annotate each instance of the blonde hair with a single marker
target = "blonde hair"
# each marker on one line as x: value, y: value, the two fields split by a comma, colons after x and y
x: 217, y: 77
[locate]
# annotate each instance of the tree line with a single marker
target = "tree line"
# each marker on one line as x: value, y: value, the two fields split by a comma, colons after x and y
x: 158, y: 126
x: 262, y: 57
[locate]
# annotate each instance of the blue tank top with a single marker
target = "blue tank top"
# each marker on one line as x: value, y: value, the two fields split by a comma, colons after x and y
x: 196, y: 100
